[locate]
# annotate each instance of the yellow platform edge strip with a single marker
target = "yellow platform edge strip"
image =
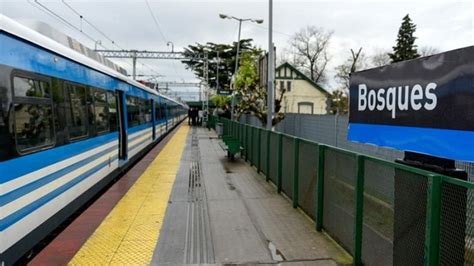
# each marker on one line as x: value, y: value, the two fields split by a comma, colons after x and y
x: 129, y: 234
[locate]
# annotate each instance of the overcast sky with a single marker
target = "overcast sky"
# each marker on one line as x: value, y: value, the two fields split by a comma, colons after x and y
x: 372, y: 25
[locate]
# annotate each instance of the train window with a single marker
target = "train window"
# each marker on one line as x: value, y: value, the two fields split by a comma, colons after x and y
x: 147, y: 113
x: 112, y: 104
x: 33, y: 112
x: 26, y: 87
x: 157, y: 111
x: 79, y: 111
x: 101, y: 112
x: 133, y: 111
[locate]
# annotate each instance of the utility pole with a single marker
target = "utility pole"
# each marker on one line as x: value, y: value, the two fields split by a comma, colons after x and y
x: 235, y: 73
x: 134, y: 62
x: 205, y: 103
x: 217, y: 75
x: 271, y: 68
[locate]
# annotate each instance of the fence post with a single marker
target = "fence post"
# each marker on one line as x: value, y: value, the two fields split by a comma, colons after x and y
x: 267, y: 175
x: 296, y: 155
x: 252, y: 160
x: 433, y: 217
x: 320, y: 195
x: 259, y: 160
x: 359, y: 215
x: 280, y: 159
x: 247, y: 146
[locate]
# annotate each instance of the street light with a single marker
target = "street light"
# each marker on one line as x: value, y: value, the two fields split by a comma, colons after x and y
x: 172, y: 45
x: 240, y: 20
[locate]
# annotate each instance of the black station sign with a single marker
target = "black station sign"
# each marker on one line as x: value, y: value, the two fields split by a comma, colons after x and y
x: 424, y: 105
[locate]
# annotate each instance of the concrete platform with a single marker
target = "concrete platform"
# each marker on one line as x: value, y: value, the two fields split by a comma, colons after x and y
x: 224, y: 212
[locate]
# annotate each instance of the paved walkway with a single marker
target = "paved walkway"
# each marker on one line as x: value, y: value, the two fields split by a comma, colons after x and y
x: 224, y: 212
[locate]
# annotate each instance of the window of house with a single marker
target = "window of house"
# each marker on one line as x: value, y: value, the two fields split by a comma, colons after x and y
x: 33, y: 112
x: 305, y: 108
x: 282, y: 85
x: 288, y: 86
x: 78, y: 127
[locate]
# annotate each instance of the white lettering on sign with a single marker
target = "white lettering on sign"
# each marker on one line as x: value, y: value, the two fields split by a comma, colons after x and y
x: 399, y: 98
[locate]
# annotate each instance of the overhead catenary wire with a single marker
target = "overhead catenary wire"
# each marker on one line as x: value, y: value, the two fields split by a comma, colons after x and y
x: 50, y: 12
x: 160, y: 30
x: 101, y: 33
x: 90, y: 24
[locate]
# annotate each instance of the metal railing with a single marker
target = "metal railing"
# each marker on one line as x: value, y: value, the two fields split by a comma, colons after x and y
x: 381, y: 212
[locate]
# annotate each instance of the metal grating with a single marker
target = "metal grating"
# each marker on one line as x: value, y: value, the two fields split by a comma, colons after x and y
x: 410, y: 197
x: 378, y: 218
x: 339, y: 197
x: 457, y: 225
x: 198, y: 246
x: 287, y: 178
x: 307, y: 177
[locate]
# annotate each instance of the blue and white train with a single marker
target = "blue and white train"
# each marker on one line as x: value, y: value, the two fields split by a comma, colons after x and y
x: 68, y: 126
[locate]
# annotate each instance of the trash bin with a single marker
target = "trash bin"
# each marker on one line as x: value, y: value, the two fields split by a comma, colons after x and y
x: 219, y: 129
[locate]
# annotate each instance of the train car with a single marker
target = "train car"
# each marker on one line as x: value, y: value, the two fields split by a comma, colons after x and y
x: 68, y: 126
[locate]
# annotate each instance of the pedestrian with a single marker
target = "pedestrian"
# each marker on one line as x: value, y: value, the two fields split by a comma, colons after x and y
x: 190, y: 110
x: 194, y: 116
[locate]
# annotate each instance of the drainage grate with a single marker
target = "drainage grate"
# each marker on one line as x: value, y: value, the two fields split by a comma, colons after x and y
x: 198, y: 247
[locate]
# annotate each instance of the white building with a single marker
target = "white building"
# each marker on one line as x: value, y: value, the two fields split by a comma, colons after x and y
x: 302, y: 94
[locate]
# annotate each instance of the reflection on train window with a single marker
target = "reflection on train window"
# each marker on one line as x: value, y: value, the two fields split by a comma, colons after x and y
x: 34, y: 127
x: 79, y: 115
x: 157, y: 112
x: 25, y: 87
x: 112, y: 104
x: 147, y: 110
x: 101, y: 112
x: 133, y: 111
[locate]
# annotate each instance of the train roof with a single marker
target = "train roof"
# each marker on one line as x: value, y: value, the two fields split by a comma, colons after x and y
x: 9, y: 25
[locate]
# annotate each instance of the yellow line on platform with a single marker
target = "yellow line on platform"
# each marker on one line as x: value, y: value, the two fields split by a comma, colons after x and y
x: 129, y: 234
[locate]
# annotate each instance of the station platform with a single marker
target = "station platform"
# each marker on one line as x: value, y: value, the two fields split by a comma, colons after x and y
x: 185, y: 202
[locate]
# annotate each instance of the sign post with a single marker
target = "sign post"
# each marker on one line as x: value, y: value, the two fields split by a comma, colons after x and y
x: 424, y: 107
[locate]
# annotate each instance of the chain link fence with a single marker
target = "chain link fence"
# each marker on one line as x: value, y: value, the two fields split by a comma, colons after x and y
x: 381, y: 212
x: 332, y: 130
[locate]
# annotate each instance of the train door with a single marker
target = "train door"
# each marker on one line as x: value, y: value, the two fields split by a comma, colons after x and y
x: 122, y: 125
x: 153, y: 117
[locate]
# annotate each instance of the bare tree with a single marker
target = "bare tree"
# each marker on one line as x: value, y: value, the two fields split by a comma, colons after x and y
x: 428, y: 50
x: 339, y: 97
x: 380, y: 58
x: 308, y: 48
x: 356, y: 62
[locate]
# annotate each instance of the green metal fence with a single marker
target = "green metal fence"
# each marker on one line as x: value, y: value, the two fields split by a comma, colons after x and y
x: 381, y: 212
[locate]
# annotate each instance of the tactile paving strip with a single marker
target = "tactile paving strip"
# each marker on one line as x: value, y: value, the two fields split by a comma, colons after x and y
x: 130, y: 232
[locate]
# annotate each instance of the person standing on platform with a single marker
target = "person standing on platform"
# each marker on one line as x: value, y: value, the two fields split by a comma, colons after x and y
x: 190, y: 110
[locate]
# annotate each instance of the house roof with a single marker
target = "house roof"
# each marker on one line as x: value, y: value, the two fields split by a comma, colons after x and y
x: 300, y: 76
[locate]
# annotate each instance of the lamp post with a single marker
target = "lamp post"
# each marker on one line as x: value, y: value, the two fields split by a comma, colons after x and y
x: 240, y: 20
x: 172, y: 45
x: 271, y: 68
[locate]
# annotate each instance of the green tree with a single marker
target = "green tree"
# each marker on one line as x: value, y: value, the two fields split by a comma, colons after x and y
x: 252, y: 99
x: 339, y: 102
x: 195, y: 60
x: 221, y: 101
x: 405, y: 48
